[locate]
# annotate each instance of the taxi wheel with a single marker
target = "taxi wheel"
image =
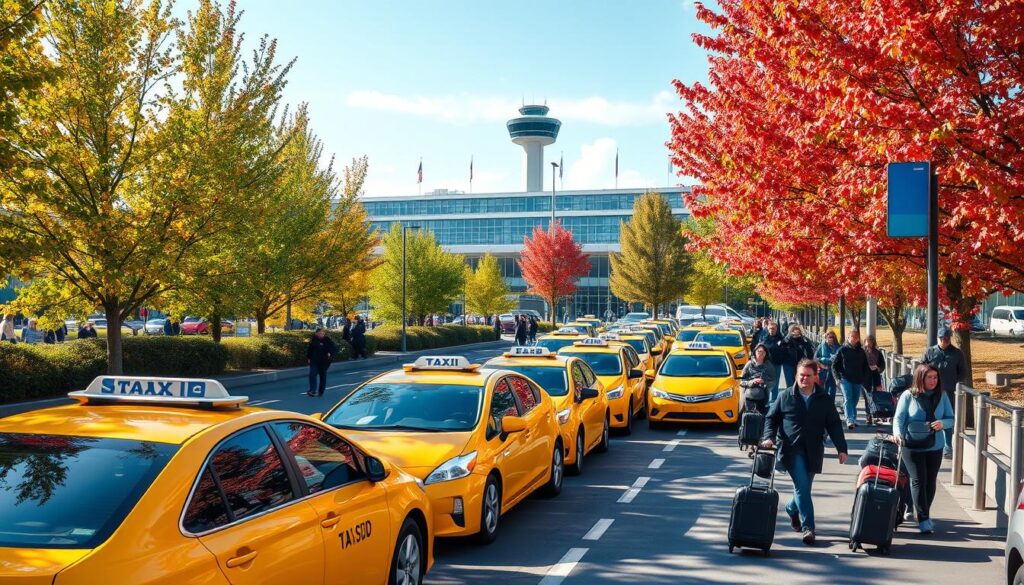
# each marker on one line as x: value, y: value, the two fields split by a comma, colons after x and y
x: 407, y: 561
x: 490, y: 512
x: 629, y: 419
x: 577, y: 467
x: 554, y: 485
x: 602, y: 447
x: 643, y: 406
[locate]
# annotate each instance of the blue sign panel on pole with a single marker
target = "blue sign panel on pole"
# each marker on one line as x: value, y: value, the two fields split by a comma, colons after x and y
x: 909, y: 185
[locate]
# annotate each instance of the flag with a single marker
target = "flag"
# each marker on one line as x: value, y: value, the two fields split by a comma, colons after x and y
x: 561, y: 165
x: 470, y: 168
x: 419, y: 172
x: 670, y: 164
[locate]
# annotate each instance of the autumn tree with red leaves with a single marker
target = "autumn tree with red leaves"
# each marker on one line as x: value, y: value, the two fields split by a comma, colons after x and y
x: 552, y: 262
x: 806, y: 105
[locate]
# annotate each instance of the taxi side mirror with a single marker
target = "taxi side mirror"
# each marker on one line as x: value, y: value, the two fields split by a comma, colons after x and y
x: 588, y: 394
x: 739, y: 374
x: 650, y: 374
x: 634, y: 374
x: 375, y: 469
x: 656, y: 351
x: 512, y: 424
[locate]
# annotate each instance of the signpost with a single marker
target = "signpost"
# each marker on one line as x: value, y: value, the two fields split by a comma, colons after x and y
x: 913, y: 206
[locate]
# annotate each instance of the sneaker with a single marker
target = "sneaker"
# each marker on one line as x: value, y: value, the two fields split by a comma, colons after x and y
x: 808, y: 537
x: 908, y: 516
x: 947, y: 454
x: 926, y: 526
x: 851, y: 426
x: 794, y: 521
x: 310, y: 394
x: 870, y: 421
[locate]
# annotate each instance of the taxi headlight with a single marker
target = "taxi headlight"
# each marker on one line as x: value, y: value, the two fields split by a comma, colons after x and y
x: 563, y: 415
x: 723, y: 395
x: 659, y: 393
x: 740, y: 355
x: 616, y: 392
x: 454, y: 468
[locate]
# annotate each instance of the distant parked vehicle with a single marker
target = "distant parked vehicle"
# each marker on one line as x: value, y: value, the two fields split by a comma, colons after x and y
x: 100, y: 325
x: 1007, y: 320
x: 194, y: 326
x: 635, y: 317
x: 155, y: 326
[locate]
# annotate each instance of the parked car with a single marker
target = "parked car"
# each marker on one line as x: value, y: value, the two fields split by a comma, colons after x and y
x: 634, y: 317
x: 194, y: 326
x: 1007, y: 320
x: 155, y: 326
x: 100, y: 324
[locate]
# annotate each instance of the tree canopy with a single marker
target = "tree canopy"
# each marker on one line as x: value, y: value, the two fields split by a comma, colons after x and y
x: 552, y: 263
x: 434, y: 277
x: 487, y: 293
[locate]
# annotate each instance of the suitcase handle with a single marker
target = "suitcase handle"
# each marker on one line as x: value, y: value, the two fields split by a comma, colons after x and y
x: 771, y: 479
x: 899, y: 462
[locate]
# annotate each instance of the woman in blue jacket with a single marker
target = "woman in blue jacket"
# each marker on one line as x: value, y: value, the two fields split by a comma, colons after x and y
x: 824, y: 355
x: 921, y: 413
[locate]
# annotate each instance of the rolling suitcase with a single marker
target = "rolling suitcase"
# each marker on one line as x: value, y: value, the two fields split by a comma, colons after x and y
x: 882, y: 404
x: 873, y: 519
x: 751, y: 427
x: 754, y: 508
x: 880, y: 448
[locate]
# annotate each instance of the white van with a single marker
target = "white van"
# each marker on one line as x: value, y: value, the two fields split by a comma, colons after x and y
x: 1007, y: 320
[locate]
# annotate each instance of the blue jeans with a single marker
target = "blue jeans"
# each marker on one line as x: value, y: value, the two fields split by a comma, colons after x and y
x: 802, y: 481
x: 851, y: 396
x: 829, y: 382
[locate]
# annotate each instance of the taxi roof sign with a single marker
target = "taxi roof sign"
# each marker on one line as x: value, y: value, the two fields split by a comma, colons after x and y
x: 567, y: 331
x: 610, y: 336
x: 701, y: 345
x: 441, y: 362
x: 529, y: 351
x: 593, y: 342
x: 152, y: 390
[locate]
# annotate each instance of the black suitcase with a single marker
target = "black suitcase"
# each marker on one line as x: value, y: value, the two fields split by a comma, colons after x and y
x: 873, y: 519
x: 882, y: 452
x: 882, y: 404
x: 754, y: 508
x: 751, y: 427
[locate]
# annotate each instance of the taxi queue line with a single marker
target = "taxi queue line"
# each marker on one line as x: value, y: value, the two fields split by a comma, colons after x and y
x: 404, y: 458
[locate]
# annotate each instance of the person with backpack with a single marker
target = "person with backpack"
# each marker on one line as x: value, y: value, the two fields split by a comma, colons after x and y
x: 757, y: 377
x: 825, y: 353
x: 850, y: 368
x: 876, y: 365
x: 799, y: 419
x: 923, y: 412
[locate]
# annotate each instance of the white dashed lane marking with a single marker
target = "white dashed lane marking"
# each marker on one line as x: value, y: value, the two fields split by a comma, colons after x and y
x: 598, y: 530
x: 671, y: 446
x: 262, y: 402
x: 681, y: 433
x: 634, y: 491
x: 656, y: 464
x: 560, y: 570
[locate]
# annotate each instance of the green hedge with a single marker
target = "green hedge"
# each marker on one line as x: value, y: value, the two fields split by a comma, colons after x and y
x: 277, y: 350
x: 389, y: 337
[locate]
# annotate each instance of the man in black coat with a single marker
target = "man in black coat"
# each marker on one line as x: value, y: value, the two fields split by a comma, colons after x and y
x: 319, y: 354
x: 346, y: 330
x: 798, y: 420
x: 773, y: 342
x: 850, y: 367
x: 522, y: 330
x: 796, y: 347
x: 358, y: 340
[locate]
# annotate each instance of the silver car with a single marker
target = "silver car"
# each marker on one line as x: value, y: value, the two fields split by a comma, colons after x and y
x: 155, y: 326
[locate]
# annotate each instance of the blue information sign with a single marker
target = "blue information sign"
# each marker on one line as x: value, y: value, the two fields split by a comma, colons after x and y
x: 909, y: 187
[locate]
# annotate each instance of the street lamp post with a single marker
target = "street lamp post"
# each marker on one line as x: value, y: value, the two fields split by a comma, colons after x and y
x: 405, y: 318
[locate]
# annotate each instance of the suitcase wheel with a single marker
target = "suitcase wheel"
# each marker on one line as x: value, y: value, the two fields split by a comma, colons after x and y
x: 884, y: 550
x: 854, y: 546
x: 730, y: 548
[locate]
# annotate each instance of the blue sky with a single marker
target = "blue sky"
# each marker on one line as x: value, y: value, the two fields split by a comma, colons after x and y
x: 402, y: 80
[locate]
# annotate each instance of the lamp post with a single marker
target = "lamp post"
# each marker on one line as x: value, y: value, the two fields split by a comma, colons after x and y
x: 405, y: 318
x: 554, y: 166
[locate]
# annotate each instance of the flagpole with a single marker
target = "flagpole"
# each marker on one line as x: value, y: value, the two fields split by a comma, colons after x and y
x: 419, y: 178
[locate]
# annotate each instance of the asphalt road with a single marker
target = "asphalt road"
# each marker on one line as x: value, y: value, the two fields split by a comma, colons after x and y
x: 655, y: 510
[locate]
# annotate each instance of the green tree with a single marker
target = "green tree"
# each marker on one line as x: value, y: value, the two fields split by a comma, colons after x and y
x: 487, y: 293
x: 434, y: 277
x: 653, y: 267
x: 707, y: 284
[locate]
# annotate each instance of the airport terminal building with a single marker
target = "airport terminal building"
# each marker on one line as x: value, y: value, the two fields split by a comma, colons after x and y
x: 473, y: 224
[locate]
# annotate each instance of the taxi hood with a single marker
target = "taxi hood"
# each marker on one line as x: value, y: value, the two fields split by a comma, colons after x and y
x: 695, y: 385
x: 36, y: 565
x: 418, y: 453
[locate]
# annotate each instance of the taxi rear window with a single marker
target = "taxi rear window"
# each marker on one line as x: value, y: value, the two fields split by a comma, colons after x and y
x: 59, y: 491
x: 603, y: 364
x: 721, y: 339
x: 554, y: 344
x: 411, y: 407
x: 695, y: 366
x: 551, y: 379
x: 638, y: 345
x: 688, y: 334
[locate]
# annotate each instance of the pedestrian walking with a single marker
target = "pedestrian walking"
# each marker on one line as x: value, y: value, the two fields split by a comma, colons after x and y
x: 7, y: 329
x: 533, y: 329
x: 799, y: 419
x: 176, y: 327
x: 876, y: 365
x: 497, y: 327
x: 346, y: 330
x: 31, y: 334
x: 88, y: 330
x: 952, y: 368
x: 921, y: 413
x: 756, y: 380
x: 168, y: 326
x: 61, y: 332
x: 774, y: 341
x: 319, y: 354
x: 358, y: 338
x: 850, y: 368
x: 797, y: 348
x: 825, y: 353
x: 757, y: 332
x: 522, y: 329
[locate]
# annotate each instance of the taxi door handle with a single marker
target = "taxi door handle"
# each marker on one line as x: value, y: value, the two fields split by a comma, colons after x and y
x: 331, y: 520
x: 241, y: 560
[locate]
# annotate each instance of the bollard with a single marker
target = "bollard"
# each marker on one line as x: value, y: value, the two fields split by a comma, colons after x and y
x: 1016, y: 462
x: 981, y: 429
x: 959, y: 416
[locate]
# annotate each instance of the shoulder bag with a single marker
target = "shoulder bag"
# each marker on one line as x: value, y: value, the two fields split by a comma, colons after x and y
x: 920, y: 434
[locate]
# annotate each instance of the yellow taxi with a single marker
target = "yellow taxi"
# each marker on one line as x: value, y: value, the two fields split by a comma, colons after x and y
x: 560, y: 338
x: 481, y: 439
x: 695, y: 384
x: 582, y: 327
x: 598, y: 325
x: 641, y: 345
x: 729, y: 339
x: 616, y: 370
x: 668, y: 329
x: 689, y: 333
x: 174, y: 481
x: 661, y: 347
x: 577, y: 394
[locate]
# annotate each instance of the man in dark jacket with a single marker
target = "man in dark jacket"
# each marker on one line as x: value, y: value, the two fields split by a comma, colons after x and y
x: 773, y: 340
x: 798, y: 420
x: 86, y: 331
x: 497, y: 328
x: 319, y: 354
x: 850, y: 367
x: 522, y: 330
x: 796, y: 348
x: 168, y: 326
x: 533, y: 329
x: 952, y: 367
x: 346, y: 330
x: 358, y: 340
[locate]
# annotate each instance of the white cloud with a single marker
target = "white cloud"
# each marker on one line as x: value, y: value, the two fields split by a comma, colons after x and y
x: 595, y: 169
x: 470, y: 109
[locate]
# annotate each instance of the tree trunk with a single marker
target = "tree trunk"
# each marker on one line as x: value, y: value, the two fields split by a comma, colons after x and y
x: 554, y: 312
x: 215, y: 332
x: 115, y: 355
x: 261, y: 321
x: 964, y: 307
x: 288, y: 316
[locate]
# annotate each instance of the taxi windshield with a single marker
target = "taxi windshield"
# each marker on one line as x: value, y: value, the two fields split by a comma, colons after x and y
x: 695, y: 366
x: 411, y: 407
x: 582, y: 329
x: 720, y: 339
x: 603, y: 364
x: 61, y: 491
x: 554, y: 343
x: 687, y: 334
x: 638, y: 345
x: 550, y: 378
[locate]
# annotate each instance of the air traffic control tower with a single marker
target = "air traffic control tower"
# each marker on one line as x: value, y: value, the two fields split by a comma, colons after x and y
x: 534, y: 130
